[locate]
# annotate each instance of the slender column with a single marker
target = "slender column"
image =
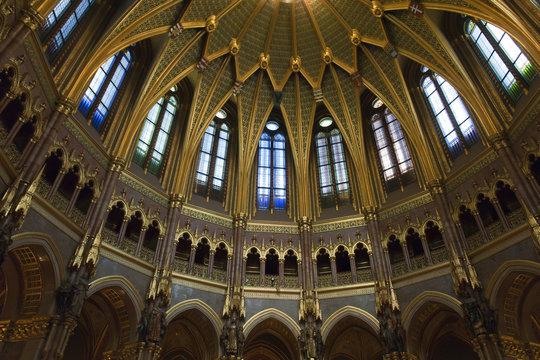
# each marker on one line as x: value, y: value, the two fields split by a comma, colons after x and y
x: 141, y: 240
x: 315, y: 273
x: 334, y: 270
x: 281, y: 272
x: 500, y: 212
x: 239, y: 222
x: 30, y: 21
x: 352, y: 262
x: 406, y: 256
x: 160, y: 244
x: 167, y: 248
x: 10, y: 96
x: 299, y: 266
x: 380, y: 263
x: 425, y: 246
x: 192, y: 258
x: 229, y: 266
x: 122, y: 231
x: 262, y: 271
x: 73, y: 198
x: 304, y: 226
x: 90, y: 211
x: 480, y: 225
x: 14, y: 130
x: 33, y: 141
x: 211, y: 263
x: 56, y: 184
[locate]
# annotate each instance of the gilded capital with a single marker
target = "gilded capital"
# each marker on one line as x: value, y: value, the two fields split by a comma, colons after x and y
x: 176, y: 201
x: 33, y: 19
x: 499, y: 141
x: 66, y: 106
x: 117, y: 164
x: 304, y: 224
x: 240, y: 220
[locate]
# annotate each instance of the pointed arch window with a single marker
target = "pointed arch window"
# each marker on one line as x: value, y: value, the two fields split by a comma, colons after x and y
x: 62, y: 21
x: 333, y: 175
x: 210, y: 176
x: 154, y: 139
x: 395, y: 159
x: 271, y: 174
x: 453, y: 119
x: 507, y: 63
x: 100, y: 96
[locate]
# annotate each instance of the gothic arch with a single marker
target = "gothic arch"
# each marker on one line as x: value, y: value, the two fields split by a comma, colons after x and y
x: 195, y: 304
x: 120, y: 281
x: 342, y: 313
x: 435, y: 328
x: 45, y: 241
x: 269, y: 314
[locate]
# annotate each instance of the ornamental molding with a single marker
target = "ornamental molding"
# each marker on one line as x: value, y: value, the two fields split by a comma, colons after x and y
x: 406, y: 206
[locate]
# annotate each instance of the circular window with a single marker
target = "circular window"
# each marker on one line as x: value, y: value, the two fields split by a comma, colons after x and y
x: 377, y: 103
x: 424, y: 69
x: 326, y: 122
x: 272, y: 125
x: 221, y: 114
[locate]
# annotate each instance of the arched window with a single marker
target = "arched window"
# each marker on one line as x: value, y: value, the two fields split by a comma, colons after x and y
x: 61, y: 22
x: 152, y: 145
x: 210, y: 177
x: 271, y: 175
x: 394, y: 156
x: 453, y: 118
x: 100, y: 95
x: 333, y: 175
x: 507, y: 62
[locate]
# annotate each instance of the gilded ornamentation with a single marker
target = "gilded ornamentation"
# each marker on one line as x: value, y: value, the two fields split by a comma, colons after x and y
x: 234, y: 47
x: 327, y: 55
x: 377, y: 8
x: 211, y: 24
x: 296, y: 63
x: 356, y: 38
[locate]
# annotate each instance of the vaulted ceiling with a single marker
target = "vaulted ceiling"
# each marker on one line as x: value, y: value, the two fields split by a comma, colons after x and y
x: 303, y: 52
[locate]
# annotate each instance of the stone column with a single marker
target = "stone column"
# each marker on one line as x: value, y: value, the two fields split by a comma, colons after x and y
x: 425, y: 246
x: 229, y: 266
x: 30, y: 20
x: 192, y: 259
x: 73, y: 199
x: 299, y: 267
x: 406, y: 256
x: 352, y: 262
x: 315, y: 273
x: 262, y: 271
x: 167, y: 249
x: 56, y: 183
x: 281, y: 272
x: 500, y: 212
x: 141, y: 239
x: 304, y: 227
x: 122, y: 231
x: 380, y: 263
x: 90, y: 211
x: 334, y: 270
x: 160, y: 244
x: 485, y: 236
x: 211, y: 263
x: 14, y: 130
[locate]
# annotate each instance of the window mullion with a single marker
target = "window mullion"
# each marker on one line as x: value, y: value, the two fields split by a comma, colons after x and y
x: 213, y: 157
x: 332, y: 168
x: 60, y: 23
x: 271, y: 204
x: 450, y: 113
x: 157, y: 128
x: 104, y: 86
x: 517, y: 75
x: 391, y: 148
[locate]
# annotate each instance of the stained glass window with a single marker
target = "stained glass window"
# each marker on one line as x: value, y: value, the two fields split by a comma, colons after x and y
x: 506, y: 60
x: 103, y: 89
x: 271, y: 172
x: 333, y: 176
x: 394, y: 155
x: 154, y: 137
x: 453, y: 118
x: 62, y: 21
x: 210, y: 175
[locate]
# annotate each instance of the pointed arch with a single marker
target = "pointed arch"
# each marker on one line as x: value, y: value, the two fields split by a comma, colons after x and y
x: 425, y: 297
x: 269, y: 314
x: 199, y: 305
x: 353, y: 311
x: 121, y: 282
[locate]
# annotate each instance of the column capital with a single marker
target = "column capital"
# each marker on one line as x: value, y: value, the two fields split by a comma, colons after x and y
x: 436, y: 187
x: 370, y: 213
x: 66, y: 106
x: 117, y: 164
x: 176, y: 201
x: 499, y: 141
x: 240, y: 220
x: 32, y: 18
x: 304, y: 224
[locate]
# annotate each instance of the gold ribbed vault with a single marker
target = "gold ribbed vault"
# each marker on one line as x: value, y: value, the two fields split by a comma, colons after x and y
x: 297, y: 48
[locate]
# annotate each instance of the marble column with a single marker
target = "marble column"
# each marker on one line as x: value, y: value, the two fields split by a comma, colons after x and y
x: 352, y: 262
x: 334, y: 270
